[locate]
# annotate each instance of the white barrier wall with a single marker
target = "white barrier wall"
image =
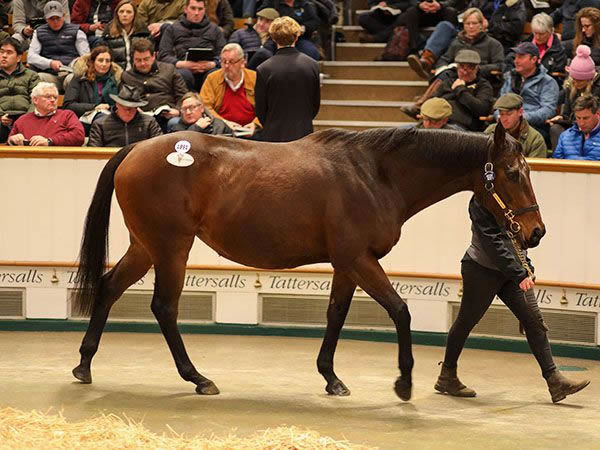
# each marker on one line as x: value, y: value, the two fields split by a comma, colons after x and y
x: 43, y: 203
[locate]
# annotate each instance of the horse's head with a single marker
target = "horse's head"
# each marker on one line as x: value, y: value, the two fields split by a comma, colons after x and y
x: 504, y: 188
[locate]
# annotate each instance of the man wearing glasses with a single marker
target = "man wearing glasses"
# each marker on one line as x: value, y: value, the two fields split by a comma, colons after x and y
x: 228, y: 93
x: 47, y: 125
x: 194, y: 117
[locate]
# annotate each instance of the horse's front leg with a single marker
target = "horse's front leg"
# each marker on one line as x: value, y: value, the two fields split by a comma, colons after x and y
x: 342, y: 290
x: 369, y: 275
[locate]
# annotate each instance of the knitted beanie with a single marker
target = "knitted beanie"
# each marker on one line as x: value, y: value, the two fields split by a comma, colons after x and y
x: 582, y: 66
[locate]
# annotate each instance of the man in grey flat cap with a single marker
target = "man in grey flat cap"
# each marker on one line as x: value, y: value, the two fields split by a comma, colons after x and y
x: 510, y: 115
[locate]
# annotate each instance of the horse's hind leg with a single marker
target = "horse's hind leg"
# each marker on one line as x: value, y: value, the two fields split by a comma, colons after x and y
x: 170, y: 274
x: 132, y: 266
x: 369, y: 275
x: 342, y: 290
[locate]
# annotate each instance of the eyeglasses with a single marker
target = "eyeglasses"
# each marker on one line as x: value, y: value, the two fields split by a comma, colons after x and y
x: 49, y: 97
x: 225, y: 62
x: 586, y: 26
x: 190, y: 108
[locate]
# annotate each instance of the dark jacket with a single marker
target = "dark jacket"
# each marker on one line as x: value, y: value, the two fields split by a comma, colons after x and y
x: 469, y: 102
x: 225, y: 17
x: 15, y: 89
x: 118, y: 47
x: 163, y: 85
x: 506, y: 23
x: 569, y: 94
x: 247, y: 38
x: 59, y: 44
x: 111, y: 131
x: 83, y: 12
x: 80, y: 98
x: 287, y: 95
x: 565, y: 14
x: 490, y: 50
x: 217, y: 126
x: 303, y: 12
x: 182, y: 35
x: 491, y: 247
x: 570, y: 51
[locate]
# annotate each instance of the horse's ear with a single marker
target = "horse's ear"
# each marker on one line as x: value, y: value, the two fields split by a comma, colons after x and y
x: 499, y: 136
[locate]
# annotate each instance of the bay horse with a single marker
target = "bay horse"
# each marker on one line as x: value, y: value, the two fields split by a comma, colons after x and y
x: 334, y: 196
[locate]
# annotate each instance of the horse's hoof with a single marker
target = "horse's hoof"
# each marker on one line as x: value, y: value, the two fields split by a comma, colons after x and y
x: 83, y: 374
x: 207, y: 388
x: 403, y: 389
x: 337, y: 388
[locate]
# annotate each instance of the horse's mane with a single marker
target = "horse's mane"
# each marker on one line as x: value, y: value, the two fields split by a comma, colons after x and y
x: 438, y: 147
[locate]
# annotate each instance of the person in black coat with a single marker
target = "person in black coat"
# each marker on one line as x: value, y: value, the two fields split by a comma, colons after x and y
x: 491, y: 266
x: 287, y: 88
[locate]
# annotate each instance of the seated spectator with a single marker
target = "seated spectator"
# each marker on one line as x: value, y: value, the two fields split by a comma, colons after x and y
x: 16, y: 84
x: 159, y: 82
x: 552, y: 54
x: 470, y: 95
x: 379, y: 24
x: 531, y: 81
x: 473, y: 37
x: 582, y: 140
x: 228, y: 93
x: 154, y: 14
x: 510, y: 115
x: 194, y: 117
x: 47, y: 125
x: 252, y: 37
x: 583, y: 80
x: 220, y: 13
x: 55, y: 45
x: 288, y: 95
x: 506, y: 20
x: 193, y: 29
x: 92, y: 16
x: 96, y: 78
x: 28, y: 15
x: 303, y: 12
x: 122, y: 30
x: 587, y: 32
x: 435, y: 113
x: 125, y: 124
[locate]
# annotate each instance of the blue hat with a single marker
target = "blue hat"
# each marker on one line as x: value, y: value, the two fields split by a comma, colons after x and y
x: 526, y: 48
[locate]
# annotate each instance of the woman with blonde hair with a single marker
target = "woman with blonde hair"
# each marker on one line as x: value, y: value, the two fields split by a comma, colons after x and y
x: 587, y: 32
x: 122, y: 30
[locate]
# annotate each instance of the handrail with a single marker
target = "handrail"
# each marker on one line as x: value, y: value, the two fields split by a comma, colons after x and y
x: 537, y: 164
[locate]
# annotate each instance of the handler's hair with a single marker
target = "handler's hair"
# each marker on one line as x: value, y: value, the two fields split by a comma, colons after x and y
x: 285, y: 31
x: 586, y: 102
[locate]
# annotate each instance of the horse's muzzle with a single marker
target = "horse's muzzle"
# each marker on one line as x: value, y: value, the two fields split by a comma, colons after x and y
x: 536, y: 236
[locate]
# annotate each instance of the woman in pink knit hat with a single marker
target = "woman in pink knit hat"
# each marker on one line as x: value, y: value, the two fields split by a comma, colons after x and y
x: 583, y: 80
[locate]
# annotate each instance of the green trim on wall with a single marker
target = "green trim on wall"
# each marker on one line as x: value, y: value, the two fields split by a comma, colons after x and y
x: 418, y: 337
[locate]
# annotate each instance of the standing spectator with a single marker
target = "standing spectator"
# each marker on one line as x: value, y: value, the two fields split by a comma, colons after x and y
x: 583, y: 80
x: 550, y: 49
x: 470, y: 95
x: 16, y: 84
x: 582, y: 140
x: 125, y: 124
x: 92, y: 16
x: 510, y: 115
x: 194, y: 117
x: 193, y: 29
x: 531, y: 81
x: 47, y: 125
x: 220, y: 13
x: 587, y: 31
x: 435, y: 113
x: 153, y: 14
x: 379, y: 24
x: 303, y: 12
x: 122, y: 30
x: 251, y: 38
x: 159, y: 82
x: 228, y: 93
x: 28, y: 15
x: 55, y: 45
x: 287, y: 87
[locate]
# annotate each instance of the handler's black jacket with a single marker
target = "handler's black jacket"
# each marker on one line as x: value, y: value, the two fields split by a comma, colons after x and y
x: 490, y: 245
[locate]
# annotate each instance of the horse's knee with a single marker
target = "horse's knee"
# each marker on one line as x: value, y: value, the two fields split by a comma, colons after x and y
x: 160, y: 309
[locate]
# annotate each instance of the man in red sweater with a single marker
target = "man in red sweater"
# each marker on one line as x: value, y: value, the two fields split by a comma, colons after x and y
x: 47, y: 125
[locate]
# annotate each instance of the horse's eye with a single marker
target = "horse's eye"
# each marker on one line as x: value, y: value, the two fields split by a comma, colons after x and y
x: 512, y: 175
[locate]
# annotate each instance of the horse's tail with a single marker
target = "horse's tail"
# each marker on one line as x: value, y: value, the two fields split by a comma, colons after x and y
x: 94, y: 244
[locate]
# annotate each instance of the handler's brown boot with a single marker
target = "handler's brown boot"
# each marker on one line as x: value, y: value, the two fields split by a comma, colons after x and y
x: 560, y: 386
x: 448, y: 383
x: 423, y: 65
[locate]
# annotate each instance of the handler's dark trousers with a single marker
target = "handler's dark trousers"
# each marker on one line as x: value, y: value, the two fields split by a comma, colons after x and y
x: 480, y: 285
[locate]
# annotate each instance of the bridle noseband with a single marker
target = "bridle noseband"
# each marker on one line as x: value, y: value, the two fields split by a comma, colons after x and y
x: 489, y: 177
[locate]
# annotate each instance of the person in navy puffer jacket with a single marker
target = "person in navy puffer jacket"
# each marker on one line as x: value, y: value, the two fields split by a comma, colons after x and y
x: 582, y: 140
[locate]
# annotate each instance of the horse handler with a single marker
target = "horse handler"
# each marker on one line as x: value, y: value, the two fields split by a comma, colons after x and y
x: 491, y: 266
